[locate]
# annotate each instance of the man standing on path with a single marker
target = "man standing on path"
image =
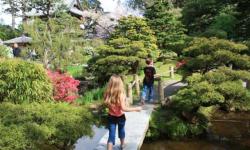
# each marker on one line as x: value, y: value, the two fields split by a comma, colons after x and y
x: 148, y: 82
x: 16, y: 50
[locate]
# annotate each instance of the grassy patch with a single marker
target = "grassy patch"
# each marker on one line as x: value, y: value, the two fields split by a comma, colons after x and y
x: 91, y: 96
x: 162, y: 69
x: 75, y: 71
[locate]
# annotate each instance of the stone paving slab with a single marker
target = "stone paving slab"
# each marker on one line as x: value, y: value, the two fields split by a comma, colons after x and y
x: 136, y: 127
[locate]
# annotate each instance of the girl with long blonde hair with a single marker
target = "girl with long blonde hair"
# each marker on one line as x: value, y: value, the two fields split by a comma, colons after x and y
x: 115, y: 99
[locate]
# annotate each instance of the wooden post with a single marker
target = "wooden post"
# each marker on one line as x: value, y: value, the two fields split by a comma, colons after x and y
x: 130, y: 93
x: 171, y: 72
x: 231, y: 66
x: 160, y: 90
x: 137, y: 85
x: 247, y: 84
x: 123, y: 77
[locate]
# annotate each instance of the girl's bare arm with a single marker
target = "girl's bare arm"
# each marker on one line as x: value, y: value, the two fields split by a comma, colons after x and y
x: 126, y: 108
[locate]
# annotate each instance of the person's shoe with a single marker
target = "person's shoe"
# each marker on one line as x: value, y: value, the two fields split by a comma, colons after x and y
x: 122, y: 147
x: 151, y: 101
x: 142, y: 102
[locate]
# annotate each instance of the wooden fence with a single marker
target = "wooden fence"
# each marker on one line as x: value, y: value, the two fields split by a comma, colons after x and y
x: 136, y: 84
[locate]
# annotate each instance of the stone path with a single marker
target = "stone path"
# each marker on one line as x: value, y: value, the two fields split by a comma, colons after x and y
x: 136, y: 127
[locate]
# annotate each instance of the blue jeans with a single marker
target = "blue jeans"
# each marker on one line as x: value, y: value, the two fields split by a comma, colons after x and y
x: 147, y: 90
x: 112, y: 123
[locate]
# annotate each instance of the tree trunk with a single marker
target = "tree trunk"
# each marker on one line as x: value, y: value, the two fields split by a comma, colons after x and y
x: 24, y: 9
x: 13, y: 17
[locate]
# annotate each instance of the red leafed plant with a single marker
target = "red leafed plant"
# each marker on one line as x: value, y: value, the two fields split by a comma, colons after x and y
x: 64, y: 86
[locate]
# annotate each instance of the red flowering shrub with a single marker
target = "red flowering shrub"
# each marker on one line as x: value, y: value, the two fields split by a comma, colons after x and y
x: 64, y: 86
x: 180, y: 64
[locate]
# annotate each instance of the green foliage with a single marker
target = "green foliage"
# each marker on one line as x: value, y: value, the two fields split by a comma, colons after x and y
x: 92, y: 4
x: 199, y: 14
x: 221, y: 87
x: 206, y: 54
x: 91, y: 96
x: 168, y: 29
x: 42, y: 124
x: 12, y: 137
x: 75, y: 71
x: 23, y: 82
x: 52, y: 40
x: 5, y: 52
x: 125, y: 51
x: 167, y: 122
x: 46, y: 7
x: 224, y: 23
x: 141, y: 4
x: 220, y: 18
x: 243, y: 16
x: 6, y: 32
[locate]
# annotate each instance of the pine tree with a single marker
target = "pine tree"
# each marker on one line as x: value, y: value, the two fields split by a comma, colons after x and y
x: 125, y: 51
x: 168, y: 29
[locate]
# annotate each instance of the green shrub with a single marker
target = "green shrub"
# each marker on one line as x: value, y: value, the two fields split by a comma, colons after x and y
x: 93, y: 95
x: 169, y: 123
x: 12, y: 138
x: 204, y: 55
x: 42, y: 124
x: 22, y: 81
x: 75, y: 71
x: 5, y: 52
x: 223, y: 87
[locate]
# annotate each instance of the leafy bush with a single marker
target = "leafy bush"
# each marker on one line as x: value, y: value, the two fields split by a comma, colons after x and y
x: 169, y: 123
x: 223, y: 87
x: 75, y: 71
x: 205, y: 54
x: 12, y: 137
x: 22, y: 81
x: 6, y: 32
x: 5, y: 52
x: 52, y: 124
x: 64, y: 86
x: 93, y: 95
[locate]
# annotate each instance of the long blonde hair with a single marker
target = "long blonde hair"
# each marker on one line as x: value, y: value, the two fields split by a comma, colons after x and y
x: 115, y: 91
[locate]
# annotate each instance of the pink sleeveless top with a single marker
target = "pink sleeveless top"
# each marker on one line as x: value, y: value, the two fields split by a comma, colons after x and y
x: 115, y: 110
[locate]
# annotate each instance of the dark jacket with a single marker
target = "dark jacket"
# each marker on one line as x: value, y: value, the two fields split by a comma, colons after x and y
x: 149, y: 73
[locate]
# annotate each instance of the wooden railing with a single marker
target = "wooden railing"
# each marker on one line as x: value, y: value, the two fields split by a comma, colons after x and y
x: 171, y: 72
x: 136, y: 84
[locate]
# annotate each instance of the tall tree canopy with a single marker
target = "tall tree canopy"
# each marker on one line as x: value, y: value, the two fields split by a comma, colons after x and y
x: 53, y: 39
x: 168, y: 29
x: 47, y: 6
x: 220, y: 18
